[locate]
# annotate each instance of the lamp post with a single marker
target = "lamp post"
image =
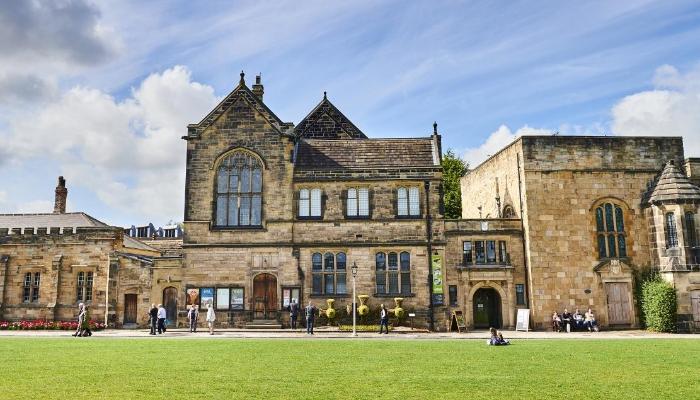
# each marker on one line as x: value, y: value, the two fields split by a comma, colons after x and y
x: 353, y: 269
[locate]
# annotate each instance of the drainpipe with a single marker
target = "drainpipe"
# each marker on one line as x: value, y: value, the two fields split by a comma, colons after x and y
x: 429, y: 236
x: 522, y: 232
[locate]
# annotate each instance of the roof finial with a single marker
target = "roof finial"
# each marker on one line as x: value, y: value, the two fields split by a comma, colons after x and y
x: 325, y: 95
x: 242, y: 82
x: 435, y: 128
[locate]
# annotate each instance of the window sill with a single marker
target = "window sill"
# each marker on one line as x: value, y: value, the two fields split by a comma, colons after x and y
x: 359, y: 217
x: 484, y: 266
x: 319, y: 218
x: 393, y: 295
x: 330, y: 296
x: 239, y: 228
x: 409, y: 217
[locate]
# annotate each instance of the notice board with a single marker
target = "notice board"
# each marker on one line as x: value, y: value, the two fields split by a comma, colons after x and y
x: 458, y: 321
x: 523, y: 323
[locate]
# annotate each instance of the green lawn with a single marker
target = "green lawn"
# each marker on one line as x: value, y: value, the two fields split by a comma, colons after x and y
x: 347, y: 369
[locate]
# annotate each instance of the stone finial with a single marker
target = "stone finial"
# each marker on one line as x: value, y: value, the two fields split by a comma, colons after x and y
x: 59, y: 206
x: 242, y: 81
x: 325, y: 95
x: 435, y: 128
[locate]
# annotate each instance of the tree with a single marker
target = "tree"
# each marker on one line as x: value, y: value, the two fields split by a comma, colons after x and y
x: 453, y: 168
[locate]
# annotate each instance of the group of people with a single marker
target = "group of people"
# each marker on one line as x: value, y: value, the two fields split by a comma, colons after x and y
x: 576, y: 321
x: 193, y: 317
x: 83, y: 329
x: 156, y: 319
x: 311, y: 311
x: 157, y: 316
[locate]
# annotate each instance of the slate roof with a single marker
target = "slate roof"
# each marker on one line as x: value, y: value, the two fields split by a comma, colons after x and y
x: 326, y: 121
x: 673, y: 186
x: 366, y: 153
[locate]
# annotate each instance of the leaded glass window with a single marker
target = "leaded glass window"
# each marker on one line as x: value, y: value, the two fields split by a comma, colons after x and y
x: 610, y: 228
x: 239, y: 190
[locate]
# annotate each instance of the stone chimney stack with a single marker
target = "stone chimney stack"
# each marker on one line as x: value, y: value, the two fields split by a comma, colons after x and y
x: 258, y: 87
x: 59, y: 206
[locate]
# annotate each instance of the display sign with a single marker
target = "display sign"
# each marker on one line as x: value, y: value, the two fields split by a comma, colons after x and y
x: 523, y: 323
x: 458, y: 321
x: 237, y: 299
x: 192, y: 297
x: 206, y: 297
x: 222, y: 298
x: 438, y: 287
x: 286, y: 297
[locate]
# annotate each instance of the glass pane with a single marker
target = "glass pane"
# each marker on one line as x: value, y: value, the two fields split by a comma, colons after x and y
x: 233, y: 182
x: 393, y: 282
x: 622, y: 245
x: 402, y: 202
x: 480, y: 252
x: 340, y: 286
x: 316, y: 202
x: 330, y: 283
x: 340, y: 261
x: 611, y: 246
x: 671, y: 234
x: 380, y: 261
x: 381, y: 282
x: 317, y: 277
x: 619, y: 221
x: 691, y: 232
x: 602, y: 253
x: 600, y: 226
x: 363, y: 202
x: 222, y: 181
x: 316, y: 263
x: 328, y: 261
x: 245, y: 180
x: 237, y: 298
x: 27, y: 279
x: 257, y: 180
x: 393, y: 261
x: 405, y: 261
x: 467, y: 252
x: 304, y: 205
x: 352, y: 202
x: 221, y: 210
x: 245, y: 211
x: 490, y: 251
x: 609, y: 226
x: 413, y: 201
x: 25, y: 295
x: 256, y: 210
x: 405, y: 282
x: 502, y: 253
x: 232, y: 210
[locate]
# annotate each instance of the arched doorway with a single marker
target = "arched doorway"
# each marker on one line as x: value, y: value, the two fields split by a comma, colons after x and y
x: 264, y: 295
x: 487, y: 309
x: 170, y: 304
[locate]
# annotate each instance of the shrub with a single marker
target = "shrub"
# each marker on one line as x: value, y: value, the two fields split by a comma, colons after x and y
x: 659, y: 305
x: 362, y: 328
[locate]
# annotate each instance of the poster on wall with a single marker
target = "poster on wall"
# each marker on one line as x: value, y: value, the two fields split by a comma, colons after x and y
x: 286, y: 297
x: 438, y: 291
x: 206, y: 297
x: 192, y: 297
x: 237, y: 299
x: 222, y: 298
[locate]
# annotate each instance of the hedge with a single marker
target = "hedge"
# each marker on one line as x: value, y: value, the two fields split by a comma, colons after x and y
x: 659, y: 305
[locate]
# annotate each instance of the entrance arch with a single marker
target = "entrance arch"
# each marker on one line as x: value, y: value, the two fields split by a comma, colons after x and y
x: 170, y: 305
x: 487, y: 308
x: 264, y: 295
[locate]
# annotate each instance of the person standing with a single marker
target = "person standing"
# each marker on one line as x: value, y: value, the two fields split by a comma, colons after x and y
x: 211, y: 317
x: 85, y: 327
x: 192, y: 315
x: 383, y: 320
x: 153, y: 318
x: 162, y: 315
x: 310, y: 317
x: 293, y: 313
x: 81, y: 316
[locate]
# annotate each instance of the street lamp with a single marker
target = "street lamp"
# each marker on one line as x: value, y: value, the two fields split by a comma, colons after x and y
x: 353, y: 269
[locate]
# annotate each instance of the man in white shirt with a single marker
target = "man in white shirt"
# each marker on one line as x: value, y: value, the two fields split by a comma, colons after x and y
x: 162, y: 315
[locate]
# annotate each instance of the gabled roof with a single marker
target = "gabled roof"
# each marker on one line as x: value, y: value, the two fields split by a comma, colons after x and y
x: 241, y: 92
x: 672, y: 186
x: 326, y: 121
x: 366, y: 153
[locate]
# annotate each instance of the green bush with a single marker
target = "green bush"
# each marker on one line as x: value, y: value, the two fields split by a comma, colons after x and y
x: 362, y: 328
x: 659, y: 305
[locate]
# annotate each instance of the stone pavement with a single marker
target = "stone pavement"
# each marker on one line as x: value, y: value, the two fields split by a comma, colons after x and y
x: 322, y: 333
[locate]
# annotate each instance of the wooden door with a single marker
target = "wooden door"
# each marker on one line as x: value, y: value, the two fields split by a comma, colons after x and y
x: 618, y: 303
x: 130, y: 308
x: 265, y: 295
x: 487, y: 309
x: 695, y: 302
x: 170, y: 304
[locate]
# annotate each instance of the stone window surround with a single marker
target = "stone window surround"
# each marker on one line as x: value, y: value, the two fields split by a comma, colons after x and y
x: 502, y: 257
x: 323, y: 272
x: 215, y: 167
x: 22, y: 272
x: 401, y: 273
x: 407, y: 199
x: 346, y: 200
x: 76, y: 270
x: 627, y: 218
x: 322, y: 201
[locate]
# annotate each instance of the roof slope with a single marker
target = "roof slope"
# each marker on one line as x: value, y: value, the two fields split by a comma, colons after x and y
x: 326, y: 121
x: 673, y: 186
x: 66, y: 220
x: 366, y: 153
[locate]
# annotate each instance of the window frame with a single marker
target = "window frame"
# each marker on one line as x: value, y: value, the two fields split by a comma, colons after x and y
x: 31, y: 282
x: 308, y: 208
x: 411, y: 204
x: 610, y: 230
x: 328, y: 273
x: 250, y: 164
x: 520, y: 294
x: 85, y: 281
x: 670, y: 230
x: 357, y: 204
x: 395, y: 273
x: 453, y: 296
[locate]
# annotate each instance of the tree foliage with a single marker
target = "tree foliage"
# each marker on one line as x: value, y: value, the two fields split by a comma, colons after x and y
x: 453, y: 168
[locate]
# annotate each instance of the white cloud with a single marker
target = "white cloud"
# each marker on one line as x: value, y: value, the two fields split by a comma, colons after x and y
x: 129, y: 153
x: 496, y: 141
x: 36, y: 206
x: 672, y: 108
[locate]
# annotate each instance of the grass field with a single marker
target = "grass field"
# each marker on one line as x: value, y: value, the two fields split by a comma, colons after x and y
x: 347, y: 369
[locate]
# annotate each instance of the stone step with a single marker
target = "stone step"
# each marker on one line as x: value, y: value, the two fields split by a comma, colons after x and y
x: 265, y: 322
x: 263, y: 326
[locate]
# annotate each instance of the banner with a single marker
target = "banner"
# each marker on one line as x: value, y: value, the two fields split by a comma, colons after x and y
x: 438, y: 290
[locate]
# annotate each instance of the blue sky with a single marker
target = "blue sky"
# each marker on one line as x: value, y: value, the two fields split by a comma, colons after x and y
x: 101, y: 92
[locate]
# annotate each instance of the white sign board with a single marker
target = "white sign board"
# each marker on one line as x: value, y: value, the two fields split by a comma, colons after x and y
x: 523, y: 323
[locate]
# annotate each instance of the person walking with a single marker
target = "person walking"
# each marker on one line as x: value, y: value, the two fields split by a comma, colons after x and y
x: 383, y: 320
x: 81, y: 316
x: 162, y: 315
x: 153, y: 318
x: 85, y: 327
x: 192, y: 315
x: 293, y: 313
x: 211, y: 317
x: 310, y: 317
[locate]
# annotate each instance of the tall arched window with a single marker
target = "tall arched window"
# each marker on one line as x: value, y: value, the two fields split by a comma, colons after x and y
x: 393, y: 272
x: 610, y: 231
x: 239, y: 190
x: 671, y: 233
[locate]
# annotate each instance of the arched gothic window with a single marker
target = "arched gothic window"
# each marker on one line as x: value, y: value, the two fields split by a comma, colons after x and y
x: 508, y: 212
x: 610, y: 231
x: 239, y: 190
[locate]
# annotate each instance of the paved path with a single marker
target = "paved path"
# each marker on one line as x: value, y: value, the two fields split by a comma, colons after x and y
x: 325, y: 334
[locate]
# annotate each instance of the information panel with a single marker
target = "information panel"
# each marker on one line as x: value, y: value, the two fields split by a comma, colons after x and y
x: 523, y: 323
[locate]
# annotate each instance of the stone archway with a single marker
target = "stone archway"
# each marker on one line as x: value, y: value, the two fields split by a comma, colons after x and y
x: 170, y: 305
x: 486, y: 308
x: 506, y: 318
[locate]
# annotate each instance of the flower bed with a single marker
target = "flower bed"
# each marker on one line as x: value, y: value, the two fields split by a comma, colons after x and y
x: 41, y: 324
x: 362, y: 328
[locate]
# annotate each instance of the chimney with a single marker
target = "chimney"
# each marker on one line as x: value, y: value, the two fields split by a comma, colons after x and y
x: 59, y: 206
x: 258, y: 87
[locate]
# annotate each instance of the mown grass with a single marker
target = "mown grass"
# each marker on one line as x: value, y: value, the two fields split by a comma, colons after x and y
x: 347, y: 369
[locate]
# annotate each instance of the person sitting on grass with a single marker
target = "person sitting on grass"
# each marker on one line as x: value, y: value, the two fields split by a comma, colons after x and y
x: 556, y: 322
x: 502, y: 341
x: 578, y: 320
x: 590, y: 321
x: 496, y: 338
